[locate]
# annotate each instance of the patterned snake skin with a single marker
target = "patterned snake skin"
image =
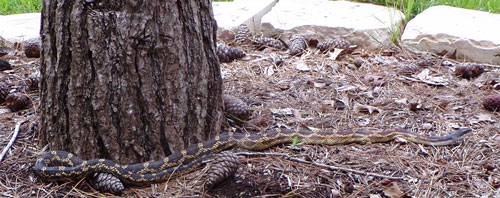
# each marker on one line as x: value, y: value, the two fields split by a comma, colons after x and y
x: 63, y: 166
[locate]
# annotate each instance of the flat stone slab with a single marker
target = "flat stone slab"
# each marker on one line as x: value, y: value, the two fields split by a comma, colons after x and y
x: 366, y: 25
x: 466, y: 35
x: 230, y: 15
x: 20, y: 27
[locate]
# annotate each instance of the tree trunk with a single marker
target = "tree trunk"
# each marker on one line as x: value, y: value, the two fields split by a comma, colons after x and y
x: 128, y: 80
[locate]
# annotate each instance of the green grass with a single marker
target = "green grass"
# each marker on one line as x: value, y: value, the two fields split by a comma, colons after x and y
x: 412, y: 7
x: 26, y: 6
x: 20, y: 6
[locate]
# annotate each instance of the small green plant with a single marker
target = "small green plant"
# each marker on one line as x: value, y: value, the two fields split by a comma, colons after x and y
x: 295, y: 142
x: 395, y: 32
x: 407, y: 9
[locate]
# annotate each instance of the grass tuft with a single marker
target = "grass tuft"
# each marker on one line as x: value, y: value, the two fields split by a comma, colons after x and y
x: 27, y: 6
x: 20, y: 6
x: 412, y: 7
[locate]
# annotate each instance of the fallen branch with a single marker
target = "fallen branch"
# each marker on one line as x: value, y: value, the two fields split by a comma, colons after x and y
x: 12, y: 140
x: 336, y: 168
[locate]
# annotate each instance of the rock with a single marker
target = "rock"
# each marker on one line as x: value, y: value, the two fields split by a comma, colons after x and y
x: 230, y: 15
x: 466, y: 35
x: 358, y: 62
x: 326, y: 20
x: 21, y: 27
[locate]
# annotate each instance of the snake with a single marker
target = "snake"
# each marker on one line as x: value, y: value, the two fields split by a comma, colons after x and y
x: 65, y: 166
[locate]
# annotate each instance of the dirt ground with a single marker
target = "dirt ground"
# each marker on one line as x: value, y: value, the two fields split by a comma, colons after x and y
x: 374, y: 90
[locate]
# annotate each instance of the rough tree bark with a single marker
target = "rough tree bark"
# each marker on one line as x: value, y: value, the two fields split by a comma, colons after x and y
x: 128, y: 80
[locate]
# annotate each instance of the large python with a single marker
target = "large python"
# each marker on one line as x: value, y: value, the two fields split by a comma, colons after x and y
x: 61, y: 165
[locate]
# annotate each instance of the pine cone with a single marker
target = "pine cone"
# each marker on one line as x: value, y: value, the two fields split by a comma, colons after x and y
x: 298, y: 45
x: 4, y: 91
x: 492, y: 102
x: 106, y: 182
x: 468, y: 71
x: 227, y: 54
x: 223, y: 166
x: 261, y: 43
x: 17, y: 101
x: 408, y: 69
x: 235, y: 109
x: 32, y: 50
x: 34, y: 80
x: 330, y: 45
x: 243, y: 35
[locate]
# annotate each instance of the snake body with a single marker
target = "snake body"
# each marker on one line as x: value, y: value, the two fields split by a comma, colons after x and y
x: 63, y: 166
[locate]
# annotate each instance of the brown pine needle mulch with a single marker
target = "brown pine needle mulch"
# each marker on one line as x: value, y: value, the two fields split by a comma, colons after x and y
x: 381, y: 91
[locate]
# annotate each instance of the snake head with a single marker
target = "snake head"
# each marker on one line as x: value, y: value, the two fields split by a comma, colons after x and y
x: 459, y: 133
x: 455, y: 136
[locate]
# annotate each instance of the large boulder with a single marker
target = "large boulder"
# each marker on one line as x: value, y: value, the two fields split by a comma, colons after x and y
x: 230, y: 15
x: 365, y: 25
x: 20, y: 28
x: 466, y: 35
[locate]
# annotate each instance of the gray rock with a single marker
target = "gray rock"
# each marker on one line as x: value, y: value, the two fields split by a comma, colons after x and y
x: 365, y: 25
x: 466, y: 35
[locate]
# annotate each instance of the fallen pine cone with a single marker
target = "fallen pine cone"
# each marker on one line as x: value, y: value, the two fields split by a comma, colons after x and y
x: 4, y: 91
x: 330, y: 45
x: 223, y: 166
x: 468, y: 71
x: 32, y: 50
x: 262, y: 43
x: 236, y: 109
x: 492, y: 102
x: 298, y: 45
x: 243, y: 35
x: 17, y: 101
x: 408, y: 69
x: 227, y: 54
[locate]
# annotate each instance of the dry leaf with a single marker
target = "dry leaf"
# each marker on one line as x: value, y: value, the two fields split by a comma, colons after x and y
x: 302, y: 66
x: 346, y: 88
x: 443, y: 105
x: 401, y: 101
x: 425, y: 77
x: 374, y: 80
x: 269, y: 71
x: 364, y: 122
x: 366, y: 109
x: 337, y: 104
x: 283, y: 112
x: 392, y: 190
x: 319, y: 83
x: 482, y: 118
x: 333, y: 55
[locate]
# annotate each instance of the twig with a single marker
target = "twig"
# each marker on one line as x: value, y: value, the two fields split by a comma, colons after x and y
x: 492, y: 66
x: 16, y: 132
x: 321, y: 165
